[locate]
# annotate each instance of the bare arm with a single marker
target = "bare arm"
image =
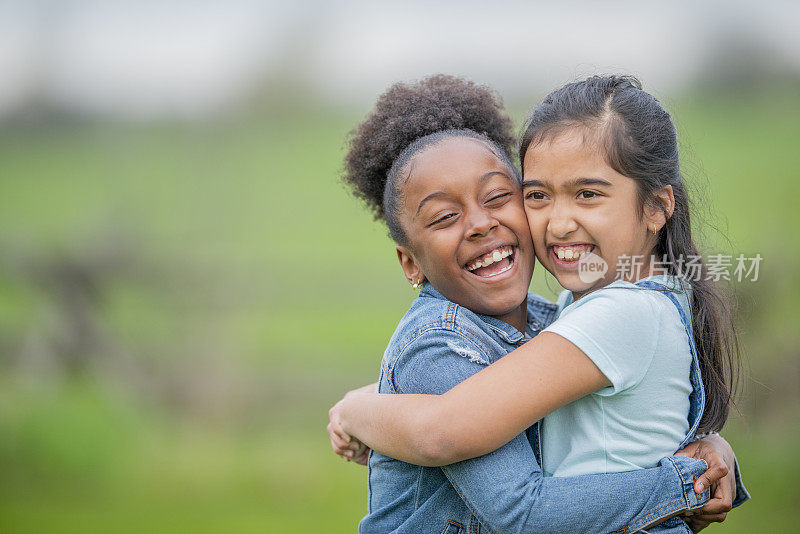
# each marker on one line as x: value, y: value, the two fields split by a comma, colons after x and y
x: 506, y: 397
x: 369, y: 388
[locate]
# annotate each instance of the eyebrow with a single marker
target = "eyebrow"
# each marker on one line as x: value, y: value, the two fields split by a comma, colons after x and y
x: 439, y: 194
x: 432, y: 196
x: 492, y: 173
x: 577, y: 182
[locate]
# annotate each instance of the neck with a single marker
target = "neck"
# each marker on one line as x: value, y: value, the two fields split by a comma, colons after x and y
x: 518, y: 317
x: 643, y: 270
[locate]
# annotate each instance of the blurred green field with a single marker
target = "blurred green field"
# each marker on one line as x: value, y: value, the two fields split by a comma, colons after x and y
x: 182, y: 303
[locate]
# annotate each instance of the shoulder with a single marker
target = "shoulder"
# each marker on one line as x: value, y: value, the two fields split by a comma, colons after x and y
x: 620, y: 302
x: 618, y: 328
x: 435, y: 341
x: 427, y: 316
x: 670, y: 292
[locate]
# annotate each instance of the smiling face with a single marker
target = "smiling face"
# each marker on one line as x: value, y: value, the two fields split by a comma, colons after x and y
x: 578, y: 205
x: 467, y: 230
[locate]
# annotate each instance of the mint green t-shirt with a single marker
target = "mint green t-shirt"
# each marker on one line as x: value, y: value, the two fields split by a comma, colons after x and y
x: 636, y: 338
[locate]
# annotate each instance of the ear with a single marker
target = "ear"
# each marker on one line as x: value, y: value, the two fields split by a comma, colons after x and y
x: 658, y: 215
x: 410, y: 266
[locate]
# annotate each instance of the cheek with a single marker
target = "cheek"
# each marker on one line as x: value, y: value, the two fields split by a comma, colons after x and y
x: 514, y: 216
x: 613, y: 228
x: 441, y: 248
x: 536, y: 223
x: 603, y: 227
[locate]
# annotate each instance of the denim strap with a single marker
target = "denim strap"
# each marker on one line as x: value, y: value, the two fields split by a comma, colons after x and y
x: 697, y: 399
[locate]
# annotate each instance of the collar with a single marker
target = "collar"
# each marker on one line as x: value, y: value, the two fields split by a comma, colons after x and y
x: 504, y: 330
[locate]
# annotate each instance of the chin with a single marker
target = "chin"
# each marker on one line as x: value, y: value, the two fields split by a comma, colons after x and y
x: 574, y: 284
x: 504, y: 304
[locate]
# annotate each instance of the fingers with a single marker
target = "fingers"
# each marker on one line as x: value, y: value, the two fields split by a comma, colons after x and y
x: 339, y: 445
x: 335, y: 426
x: 703, y: 520
x: 723, y: 492
x: 334, y: 430
x: 342, y: 444
x: 716, y: 471
x: 349, y: 448
x: 359, y: 448
x: 713, y: 518
x: 354, y: 449
x: 337, y: 449
x: 729, y: 482
x: 717, y: 468
x: 716, y: 507
x: 697, y: 524
x: 720, y: 502
x: 363, y: 458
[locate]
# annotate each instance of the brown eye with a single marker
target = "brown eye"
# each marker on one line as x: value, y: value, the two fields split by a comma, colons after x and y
x: 586, y: 195
x: 535, y: 195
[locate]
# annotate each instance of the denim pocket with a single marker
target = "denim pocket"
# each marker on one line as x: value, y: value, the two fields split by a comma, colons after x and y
x: 452, y: 528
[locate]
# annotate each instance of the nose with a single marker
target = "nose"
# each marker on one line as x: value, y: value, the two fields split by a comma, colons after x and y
x: 479, y: 223
x: 561, y: 222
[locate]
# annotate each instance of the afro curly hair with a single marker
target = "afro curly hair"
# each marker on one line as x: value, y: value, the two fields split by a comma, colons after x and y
x: 405, y: 114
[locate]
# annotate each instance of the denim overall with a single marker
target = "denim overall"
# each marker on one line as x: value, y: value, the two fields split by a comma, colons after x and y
x: 697, y: 398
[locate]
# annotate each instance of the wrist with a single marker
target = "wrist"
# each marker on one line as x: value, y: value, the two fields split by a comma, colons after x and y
x: 704, y: 435
x: 347, y: 411
x: 342, y: 409
x: 719, y: 444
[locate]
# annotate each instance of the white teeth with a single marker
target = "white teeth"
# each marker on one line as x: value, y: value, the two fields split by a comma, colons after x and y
x: 572, y: 254
x: 494, y: 257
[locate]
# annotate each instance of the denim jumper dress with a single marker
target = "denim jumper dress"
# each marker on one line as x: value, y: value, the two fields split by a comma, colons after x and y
x: 697, y: 401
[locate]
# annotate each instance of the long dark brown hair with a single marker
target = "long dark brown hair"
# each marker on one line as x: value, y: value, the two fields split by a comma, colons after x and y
x: 639, y: 141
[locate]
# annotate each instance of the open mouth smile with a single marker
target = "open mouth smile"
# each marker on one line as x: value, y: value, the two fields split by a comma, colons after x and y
x: 569, y: 255
x: 492, y: 264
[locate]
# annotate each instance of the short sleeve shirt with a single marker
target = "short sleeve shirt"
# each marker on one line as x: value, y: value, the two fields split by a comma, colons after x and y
x: 636, y: 338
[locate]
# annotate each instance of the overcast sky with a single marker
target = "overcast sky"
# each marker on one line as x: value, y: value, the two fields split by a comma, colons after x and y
x: 150, y: 58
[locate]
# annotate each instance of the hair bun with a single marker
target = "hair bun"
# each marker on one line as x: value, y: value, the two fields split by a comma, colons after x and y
x: 409, y: 111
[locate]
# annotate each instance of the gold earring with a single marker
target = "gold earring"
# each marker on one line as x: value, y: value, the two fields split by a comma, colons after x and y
x: 416, y: 285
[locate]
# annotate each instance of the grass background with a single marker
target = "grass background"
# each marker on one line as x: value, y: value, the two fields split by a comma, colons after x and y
x: 181, y: 303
